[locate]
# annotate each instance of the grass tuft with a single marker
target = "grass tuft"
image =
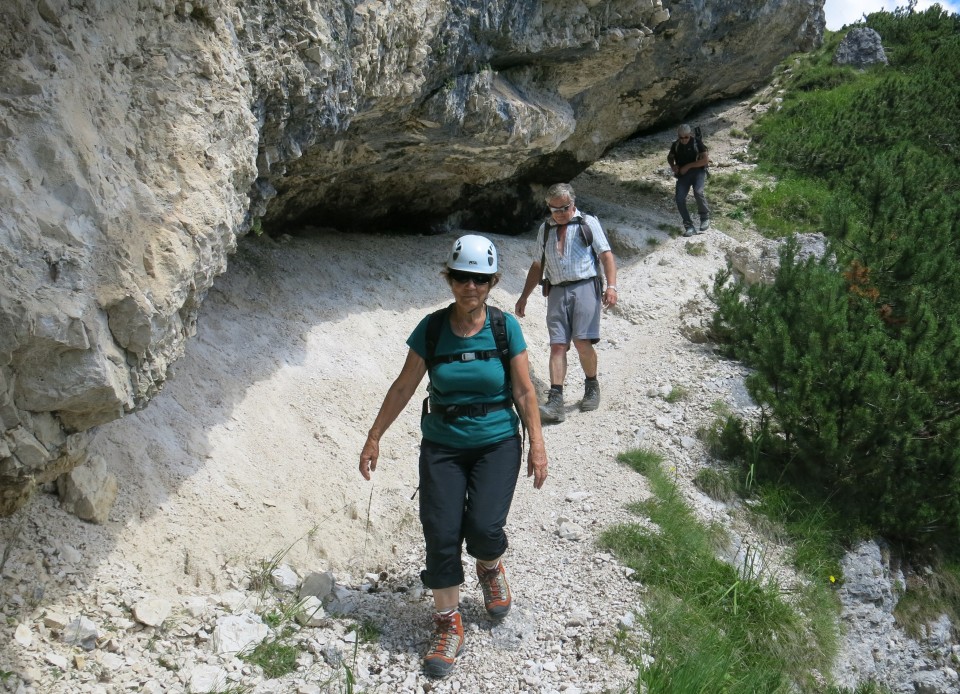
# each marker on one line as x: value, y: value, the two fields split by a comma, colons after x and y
x: 676, y: 394
x: 275, y: 657
x: 716, y: 484
x: 711, y: 628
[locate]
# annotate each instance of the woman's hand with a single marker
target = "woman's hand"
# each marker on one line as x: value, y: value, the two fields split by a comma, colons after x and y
x: 396, y: 399
x: 525, y: 398
x: 537, y: 465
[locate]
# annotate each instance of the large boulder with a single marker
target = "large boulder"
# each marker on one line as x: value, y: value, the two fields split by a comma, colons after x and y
x: 861, y: 47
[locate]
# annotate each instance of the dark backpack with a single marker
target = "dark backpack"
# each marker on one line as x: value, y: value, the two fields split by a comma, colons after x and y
x: 498, y: 325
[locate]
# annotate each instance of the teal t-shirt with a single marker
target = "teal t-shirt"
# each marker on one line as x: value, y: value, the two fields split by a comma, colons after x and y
x: 464, y: 383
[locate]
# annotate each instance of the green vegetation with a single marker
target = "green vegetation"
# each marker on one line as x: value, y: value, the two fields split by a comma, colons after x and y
x: 856, y: 356
x: 723, y: 184
x: 676, y: 394
x: 274, y: 656
x: 716, y: 485
x: 643, y: 187
x: 277, y: 655
x: 855, y: 363
x: 793, y: 205
x: 367, y: 631
x: 714, y: 628
x: 928, y: 596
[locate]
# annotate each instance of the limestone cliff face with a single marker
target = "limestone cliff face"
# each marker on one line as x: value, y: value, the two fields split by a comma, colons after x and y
x: 139, y: 138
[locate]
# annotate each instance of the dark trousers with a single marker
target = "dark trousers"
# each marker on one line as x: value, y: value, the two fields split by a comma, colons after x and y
x: 465, y: 494
x: 696, y: 179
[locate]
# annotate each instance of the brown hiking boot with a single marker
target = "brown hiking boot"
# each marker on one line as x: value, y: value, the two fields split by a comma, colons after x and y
x: 445, y: 644
x: 496, y: 590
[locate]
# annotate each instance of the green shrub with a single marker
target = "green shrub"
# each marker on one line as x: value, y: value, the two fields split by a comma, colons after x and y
x: 856, y: 357
x: 855, y: 407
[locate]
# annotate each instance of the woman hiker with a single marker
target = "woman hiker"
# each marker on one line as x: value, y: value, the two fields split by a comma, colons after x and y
x: 471, y: 450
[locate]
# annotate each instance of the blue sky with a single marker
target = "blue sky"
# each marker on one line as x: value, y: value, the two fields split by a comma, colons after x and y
x: 840, y: 12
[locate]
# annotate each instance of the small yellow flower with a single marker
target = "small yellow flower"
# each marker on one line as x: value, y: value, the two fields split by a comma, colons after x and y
x: 833, y: 579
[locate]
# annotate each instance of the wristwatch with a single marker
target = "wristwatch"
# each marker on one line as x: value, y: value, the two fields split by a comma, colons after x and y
x: 613, y: 287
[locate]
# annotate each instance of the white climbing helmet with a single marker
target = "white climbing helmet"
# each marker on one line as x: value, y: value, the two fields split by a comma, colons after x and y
x: 472, y: 253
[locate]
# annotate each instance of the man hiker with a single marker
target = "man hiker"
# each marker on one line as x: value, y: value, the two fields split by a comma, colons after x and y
x: 572, y: 255
x: 688, y: 158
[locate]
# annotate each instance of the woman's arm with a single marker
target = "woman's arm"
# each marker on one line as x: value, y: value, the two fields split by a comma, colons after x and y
x: 525, y: 397
x: 395, y: 400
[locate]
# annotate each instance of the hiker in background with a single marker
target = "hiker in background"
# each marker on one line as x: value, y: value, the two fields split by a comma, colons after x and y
x: 471, y: 449
x: 689, y: 158
x: 572, y: 257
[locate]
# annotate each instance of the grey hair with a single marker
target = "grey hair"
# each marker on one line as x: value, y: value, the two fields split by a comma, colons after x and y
x: 560, y: 190
x: 684, y: 130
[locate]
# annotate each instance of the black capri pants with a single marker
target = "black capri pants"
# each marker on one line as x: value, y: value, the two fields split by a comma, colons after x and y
x: 465, y: 494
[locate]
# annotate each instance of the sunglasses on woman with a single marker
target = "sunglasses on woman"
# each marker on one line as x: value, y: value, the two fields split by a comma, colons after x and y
x: 464, y: 277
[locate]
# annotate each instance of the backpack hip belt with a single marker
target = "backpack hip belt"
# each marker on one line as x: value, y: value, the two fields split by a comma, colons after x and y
x: 479, y: 409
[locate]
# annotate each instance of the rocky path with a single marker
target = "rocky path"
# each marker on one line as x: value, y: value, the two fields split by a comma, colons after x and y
x: 250, y: 453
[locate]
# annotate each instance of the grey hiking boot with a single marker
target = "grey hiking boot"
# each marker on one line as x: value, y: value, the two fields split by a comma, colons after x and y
x: 689, y: 231
x: 552, y: 411
x: 704, y: 225
x: 591, y: 396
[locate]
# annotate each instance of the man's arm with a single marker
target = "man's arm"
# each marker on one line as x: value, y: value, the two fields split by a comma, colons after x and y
x: 672, y: 158
x: 703, y: 160
x: 610, y: 272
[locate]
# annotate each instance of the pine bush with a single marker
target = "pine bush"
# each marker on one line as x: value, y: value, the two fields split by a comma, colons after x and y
x: 856, y: 356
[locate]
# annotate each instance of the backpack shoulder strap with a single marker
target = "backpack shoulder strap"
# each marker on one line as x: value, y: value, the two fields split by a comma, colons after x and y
x: 700, y: 148
x: 434, y: 325
x: 586, y: 231
x: 546, y: 238
x: 498, y: 324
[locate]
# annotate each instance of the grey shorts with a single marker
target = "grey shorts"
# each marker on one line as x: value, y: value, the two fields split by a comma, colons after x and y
x: 573, y: 312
